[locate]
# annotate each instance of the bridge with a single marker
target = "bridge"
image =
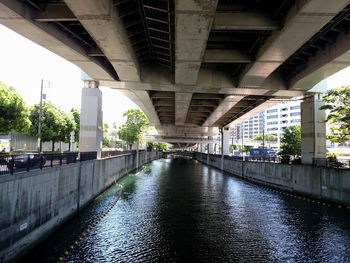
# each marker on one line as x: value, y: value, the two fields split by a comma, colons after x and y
x: 194, y: 67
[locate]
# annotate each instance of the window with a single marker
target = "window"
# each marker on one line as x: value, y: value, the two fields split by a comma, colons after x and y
x: 295, y: 121
x: 284, y: 121
x: 272, y: 117
x: 284, y: 115
x: 272, y: 122
x: 295, y: 107
x: 295, y: 114
x: 272, y: 129
x: 284, y: 109
x: 272, y: 111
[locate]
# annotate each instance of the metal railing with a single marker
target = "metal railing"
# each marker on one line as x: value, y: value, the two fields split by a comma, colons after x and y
x: 106, y: 154
x: 338, y: 163
x: 86, y: 156
x: 13, y: 163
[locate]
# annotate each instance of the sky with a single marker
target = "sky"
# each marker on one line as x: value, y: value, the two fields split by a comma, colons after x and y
x: 23, y: 64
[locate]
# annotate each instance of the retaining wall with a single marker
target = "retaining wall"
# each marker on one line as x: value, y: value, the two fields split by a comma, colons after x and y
x: 319, y: 182
x: 33, y: 204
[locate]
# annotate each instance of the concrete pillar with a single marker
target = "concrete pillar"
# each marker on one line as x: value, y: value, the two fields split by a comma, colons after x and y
x: 313, y: 130
x: 225, y: 141
x: 91, y: 118
x: 211, y: 148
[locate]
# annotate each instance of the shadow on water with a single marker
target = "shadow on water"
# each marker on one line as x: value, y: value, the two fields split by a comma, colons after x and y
x: 180, y: 210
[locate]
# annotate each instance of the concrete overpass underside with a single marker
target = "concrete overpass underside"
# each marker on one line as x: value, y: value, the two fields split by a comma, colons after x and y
x: 193, y: 66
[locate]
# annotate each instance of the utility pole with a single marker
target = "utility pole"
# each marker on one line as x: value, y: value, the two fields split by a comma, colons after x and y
x: 242, y: 134
x: 40, y: 143
x: 264, y: 153
x: 40, y: 116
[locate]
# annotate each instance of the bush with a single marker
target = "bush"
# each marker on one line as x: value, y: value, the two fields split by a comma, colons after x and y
x: 296, y: 161
x: 285, y: 159
x: 332, y: 161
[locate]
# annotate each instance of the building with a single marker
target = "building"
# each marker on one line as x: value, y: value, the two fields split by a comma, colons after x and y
x: 272, y: 121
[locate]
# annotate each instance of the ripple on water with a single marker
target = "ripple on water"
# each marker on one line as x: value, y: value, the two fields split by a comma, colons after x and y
x: 183, y: 211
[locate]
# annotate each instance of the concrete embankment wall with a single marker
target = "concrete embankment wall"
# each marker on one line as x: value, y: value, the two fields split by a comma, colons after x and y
x: 319, y: 182
x: 33, y: 204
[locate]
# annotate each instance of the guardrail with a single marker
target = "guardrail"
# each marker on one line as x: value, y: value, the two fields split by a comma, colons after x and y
x: 106, y: 154
x: 338, y: 163
x: 13, y: 163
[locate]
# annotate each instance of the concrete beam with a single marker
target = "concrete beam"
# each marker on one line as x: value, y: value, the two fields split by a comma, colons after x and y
x: 243, y: 21
x: 193, y: 23
x: 225, y: 56
x: 56, y: 13
x: 182, y: 103
x: 18, y: 17
x: 304, y: 20
x: 224, y: 107
x: 101, y: 20
x: 331, y: 59
x: 186, y: 131
x: 211, y: 88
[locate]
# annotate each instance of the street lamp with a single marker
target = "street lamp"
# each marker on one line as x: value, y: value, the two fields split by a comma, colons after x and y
x: 42, y: 97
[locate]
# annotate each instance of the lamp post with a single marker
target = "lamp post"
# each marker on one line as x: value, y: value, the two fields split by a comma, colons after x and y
x: 40, y: 144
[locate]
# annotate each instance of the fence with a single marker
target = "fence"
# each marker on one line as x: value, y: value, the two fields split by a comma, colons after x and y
x: 106, y: 154
x: 13, y: 163
x: 319, y: 162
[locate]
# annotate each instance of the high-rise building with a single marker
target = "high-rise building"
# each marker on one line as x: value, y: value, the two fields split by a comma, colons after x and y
x: 273, y: 121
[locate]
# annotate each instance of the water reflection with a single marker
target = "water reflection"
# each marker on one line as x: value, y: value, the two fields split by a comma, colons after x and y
x: 182, y: 211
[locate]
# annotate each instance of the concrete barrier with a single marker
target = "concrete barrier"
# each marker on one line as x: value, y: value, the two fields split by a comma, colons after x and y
x: 319, y: 182
x: 33, y: 204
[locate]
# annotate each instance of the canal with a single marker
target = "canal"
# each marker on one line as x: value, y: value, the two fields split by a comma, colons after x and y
x: 179, y: 210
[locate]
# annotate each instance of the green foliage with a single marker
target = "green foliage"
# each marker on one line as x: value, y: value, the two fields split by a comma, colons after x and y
x: 267, y: 138
x: 245, y: 148
x: 76, y: 116
x: 13, y: 111
x: 332, y: 161
x: 152, y: 146
x: 337, y: 101
x: 136, y: 124
x: 70, y: 125
x: 291, y: 142
x: 54, y: 124
x: 162, y: 146
x: 106, y: 142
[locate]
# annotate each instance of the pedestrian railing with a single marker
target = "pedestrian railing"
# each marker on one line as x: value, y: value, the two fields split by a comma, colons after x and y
x: 319, y: 162
x: 13, y: 163
x: 106, y: 154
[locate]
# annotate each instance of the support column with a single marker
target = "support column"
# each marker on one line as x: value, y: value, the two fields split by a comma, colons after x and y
x: 202, y: 148
x: 313, y: 130
x: 225, y: 141
x: 91, y: 118
x: 210, y: 148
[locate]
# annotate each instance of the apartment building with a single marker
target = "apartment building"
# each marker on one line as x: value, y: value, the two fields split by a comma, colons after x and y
x: 273, y: 121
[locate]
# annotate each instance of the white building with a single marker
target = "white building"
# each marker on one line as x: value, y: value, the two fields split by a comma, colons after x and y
x: 273, y: 121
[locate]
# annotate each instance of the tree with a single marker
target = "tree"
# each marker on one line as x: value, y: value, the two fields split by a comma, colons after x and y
x: 239, y: 148
x: 76, y: 116
x: 106, y: 142
x: 162, y: 146
x: 291, y: 143
x: 337, y: 101
x: 53, y: 123
x: 266, y: 137
x: 13, y: 111
x: 136, y: 124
